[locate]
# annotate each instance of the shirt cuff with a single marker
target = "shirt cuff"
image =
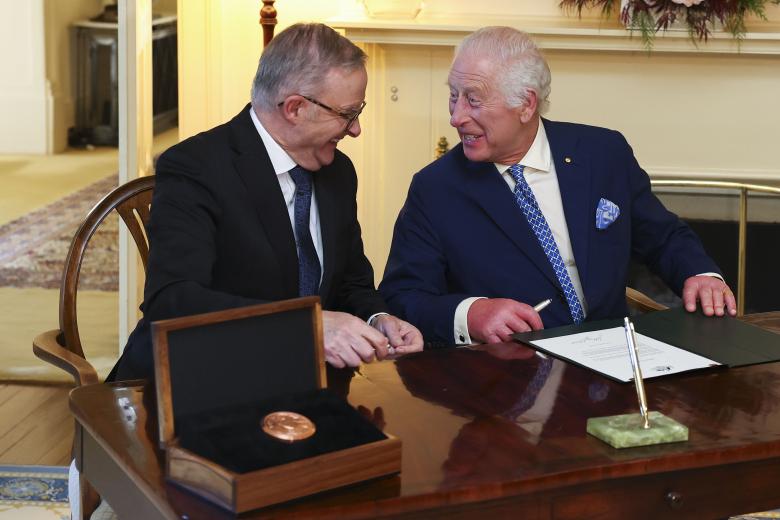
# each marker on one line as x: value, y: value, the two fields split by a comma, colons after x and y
x: 714, y: 275
x: 461, y: 323
x: 371, y: 318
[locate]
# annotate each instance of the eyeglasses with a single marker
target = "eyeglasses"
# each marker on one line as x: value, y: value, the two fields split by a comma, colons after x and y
x: 350, y: 116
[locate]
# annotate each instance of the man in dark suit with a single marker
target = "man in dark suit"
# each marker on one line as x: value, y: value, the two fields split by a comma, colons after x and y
x: 262, y: 208
x: 525, y: 209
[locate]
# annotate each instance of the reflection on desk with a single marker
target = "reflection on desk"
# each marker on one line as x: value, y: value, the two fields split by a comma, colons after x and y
x: 464, y: 417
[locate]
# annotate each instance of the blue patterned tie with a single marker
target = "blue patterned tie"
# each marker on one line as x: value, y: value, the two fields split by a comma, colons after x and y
x: 309, y: 268
x: 525, y: 198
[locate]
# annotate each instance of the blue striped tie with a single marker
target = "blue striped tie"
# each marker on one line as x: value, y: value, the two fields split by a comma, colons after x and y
x: 309, y: 269
x: 527, y: 202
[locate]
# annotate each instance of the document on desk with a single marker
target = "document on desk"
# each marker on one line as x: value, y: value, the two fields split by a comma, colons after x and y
x: 605, y: 351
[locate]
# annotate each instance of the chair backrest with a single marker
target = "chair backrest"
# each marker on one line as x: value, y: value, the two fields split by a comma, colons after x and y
x: 132, y: 201
x: 641, y: 302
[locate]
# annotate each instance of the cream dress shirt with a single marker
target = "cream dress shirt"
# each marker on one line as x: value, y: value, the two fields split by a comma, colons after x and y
x: 541, y: 177
x: 540, y: 174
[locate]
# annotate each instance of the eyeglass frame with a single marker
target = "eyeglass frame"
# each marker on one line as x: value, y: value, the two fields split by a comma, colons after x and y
x: 349, y: 117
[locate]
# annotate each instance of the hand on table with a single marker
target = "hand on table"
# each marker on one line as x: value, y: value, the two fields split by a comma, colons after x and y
x: 712, y: 293
x: 349, y: 340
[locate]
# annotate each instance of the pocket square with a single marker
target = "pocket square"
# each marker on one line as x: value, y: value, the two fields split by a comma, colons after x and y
x: 607, y: 212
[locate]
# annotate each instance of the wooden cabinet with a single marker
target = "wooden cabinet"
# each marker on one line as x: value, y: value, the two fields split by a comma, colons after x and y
x: 406, y: 116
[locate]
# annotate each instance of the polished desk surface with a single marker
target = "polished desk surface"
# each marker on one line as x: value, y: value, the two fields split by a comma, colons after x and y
x: 481, y: 437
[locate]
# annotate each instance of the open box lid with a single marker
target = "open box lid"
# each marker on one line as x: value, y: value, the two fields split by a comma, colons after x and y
x: 236, y: 356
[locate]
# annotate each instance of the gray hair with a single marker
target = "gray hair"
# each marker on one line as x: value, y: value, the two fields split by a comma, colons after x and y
x: 297, y: 61
x: 523, y: 68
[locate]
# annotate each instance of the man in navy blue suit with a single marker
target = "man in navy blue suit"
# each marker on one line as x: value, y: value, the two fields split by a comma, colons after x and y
x: 525, y: 209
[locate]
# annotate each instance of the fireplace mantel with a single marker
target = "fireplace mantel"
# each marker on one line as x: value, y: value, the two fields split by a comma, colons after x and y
x: 549, y: 33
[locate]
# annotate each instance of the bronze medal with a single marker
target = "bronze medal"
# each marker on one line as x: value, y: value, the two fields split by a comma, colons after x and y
x: 288, y: 426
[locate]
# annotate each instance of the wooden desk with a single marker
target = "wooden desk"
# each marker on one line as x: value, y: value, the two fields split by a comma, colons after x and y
x: 476, y: 444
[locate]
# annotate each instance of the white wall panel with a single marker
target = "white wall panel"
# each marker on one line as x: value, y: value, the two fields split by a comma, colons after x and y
x: 23, y: 100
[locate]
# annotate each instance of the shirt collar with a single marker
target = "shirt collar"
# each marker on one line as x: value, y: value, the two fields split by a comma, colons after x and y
x: 537, y: 158
x: 281, y: 160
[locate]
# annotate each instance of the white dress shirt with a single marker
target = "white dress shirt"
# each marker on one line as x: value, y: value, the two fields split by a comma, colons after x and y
x: 540, y: 174
x: 282, y: 164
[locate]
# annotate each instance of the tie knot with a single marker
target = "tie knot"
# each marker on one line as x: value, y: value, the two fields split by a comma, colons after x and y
x: 301, y: 178
x: 516, y: 171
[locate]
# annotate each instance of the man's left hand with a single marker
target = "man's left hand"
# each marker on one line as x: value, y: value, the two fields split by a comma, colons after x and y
x: 712, y: 293
x: 403, y: 337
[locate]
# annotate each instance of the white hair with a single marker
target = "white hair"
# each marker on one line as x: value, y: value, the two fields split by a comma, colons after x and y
x: 522, y: 66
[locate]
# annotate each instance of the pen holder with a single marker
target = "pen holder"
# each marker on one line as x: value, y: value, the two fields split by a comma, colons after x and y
x: 626, y: 431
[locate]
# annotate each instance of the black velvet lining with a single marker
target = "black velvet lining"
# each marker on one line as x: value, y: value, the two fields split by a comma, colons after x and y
x: 233, y: 436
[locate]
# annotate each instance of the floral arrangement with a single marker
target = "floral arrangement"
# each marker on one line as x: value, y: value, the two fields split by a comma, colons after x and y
x: 699, y: 16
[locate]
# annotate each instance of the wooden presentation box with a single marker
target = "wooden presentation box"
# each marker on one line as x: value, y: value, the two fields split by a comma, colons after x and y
x: 269, y: 353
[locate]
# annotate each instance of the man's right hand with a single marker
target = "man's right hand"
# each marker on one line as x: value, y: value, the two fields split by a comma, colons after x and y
x: 348, y: 340
x: 494, y: 320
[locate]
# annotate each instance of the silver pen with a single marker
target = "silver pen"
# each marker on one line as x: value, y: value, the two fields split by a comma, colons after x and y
x: 628, y: 328
x: 539, y: 307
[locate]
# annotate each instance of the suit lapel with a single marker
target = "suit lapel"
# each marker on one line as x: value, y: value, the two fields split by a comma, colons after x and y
x: 257, y: 173
x: 327, y: 205
x: 488, y: 188
x: 574, y: 176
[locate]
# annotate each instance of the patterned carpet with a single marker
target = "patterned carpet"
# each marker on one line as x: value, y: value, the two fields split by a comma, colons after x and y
x: 32, y: 254
x: 33, y: 247
x: 34, y: 493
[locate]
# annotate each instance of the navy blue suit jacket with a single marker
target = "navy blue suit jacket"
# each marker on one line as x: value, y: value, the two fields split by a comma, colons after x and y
x: 461, y: 234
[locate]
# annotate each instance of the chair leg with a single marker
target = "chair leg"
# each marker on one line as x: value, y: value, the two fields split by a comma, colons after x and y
x: 89, y: 498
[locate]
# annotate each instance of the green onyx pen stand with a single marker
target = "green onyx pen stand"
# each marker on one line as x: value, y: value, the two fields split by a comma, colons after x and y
x: 636, y: 429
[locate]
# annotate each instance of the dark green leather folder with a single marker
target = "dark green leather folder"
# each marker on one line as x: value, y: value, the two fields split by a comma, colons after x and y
x: 726, y: 340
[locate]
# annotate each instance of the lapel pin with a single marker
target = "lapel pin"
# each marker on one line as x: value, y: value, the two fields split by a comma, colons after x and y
x: 567, y: 160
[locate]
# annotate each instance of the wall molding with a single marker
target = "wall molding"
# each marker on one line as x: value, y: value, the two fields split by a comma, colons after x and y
x: 23, y: 95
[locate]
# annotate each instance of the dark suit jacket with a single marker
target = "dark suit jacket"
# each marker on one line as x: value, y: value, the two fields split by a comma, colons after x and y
x: 461, y: 234
x: 220, y: 236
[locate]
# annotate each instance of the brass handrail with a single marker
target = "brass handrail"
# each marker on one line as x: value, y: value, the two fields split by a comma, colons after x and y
x: 742, y: 235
